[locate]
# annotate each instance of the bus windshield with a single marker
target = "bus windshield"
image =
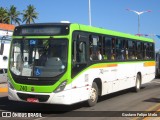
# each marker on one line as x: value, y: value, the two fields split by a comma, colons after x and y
x: 38, y: 57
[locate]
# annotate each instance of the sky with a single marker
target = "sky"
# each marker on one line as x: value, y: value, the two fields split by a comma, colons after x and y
x: 108, y: 14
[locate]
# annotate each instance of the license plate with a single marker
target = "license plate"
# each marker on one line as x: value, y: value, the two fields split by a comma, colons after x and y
x: 33, y: 100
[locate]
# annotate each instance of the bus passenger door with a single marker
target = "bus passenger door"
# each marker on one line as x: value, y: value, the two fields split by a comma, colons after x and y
x: 79, y: 63
x: 78, y: 56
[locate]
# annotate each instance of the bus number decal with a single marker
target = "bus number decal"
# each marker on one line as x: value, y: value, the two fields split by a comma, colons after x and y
x: 23, y: 88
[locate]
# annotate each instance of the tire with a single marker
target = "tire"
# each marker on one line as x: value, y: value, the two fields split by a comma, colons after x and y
x: 93, y: 95
x: 138, y: 84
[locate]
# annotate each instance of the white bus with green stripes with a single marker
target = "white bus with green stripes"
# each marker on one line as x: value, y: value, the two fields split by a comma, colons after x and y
x: 66, y: 63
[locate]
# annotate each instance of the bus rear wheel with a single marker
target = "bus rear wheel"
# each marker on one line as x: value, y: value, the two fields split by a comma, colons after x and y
x: 138, y: 83
x: 93, y: 95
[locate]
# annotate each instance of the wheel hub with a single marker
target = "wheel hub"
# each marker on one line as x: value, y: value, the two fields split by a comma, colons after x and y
x: 93, y: 94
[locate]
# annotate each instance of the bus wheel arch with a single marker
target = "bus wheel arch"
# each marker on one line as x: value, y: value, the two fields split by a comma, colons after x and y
x: 95, y: 92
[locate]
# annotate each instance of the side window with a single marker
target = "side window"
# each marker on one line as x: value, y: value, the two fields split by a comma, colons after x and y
x: 130, y: 50
x: 120, y: 52
x: 126, y: 49
x: 151, y: 50
x: 139, y: 51
x: 107, y: 48
x: 113, y: 50
x: 95, y: 46
x: 146, y: 51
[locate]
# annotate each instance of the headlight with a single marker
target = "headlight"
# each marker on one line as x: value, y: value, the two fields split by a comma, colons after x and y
x: 61, y: 86
x: 10, y: 84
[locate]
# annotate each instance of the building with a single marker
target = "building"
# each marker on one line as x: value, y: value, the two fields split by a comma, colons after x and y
x: 6, y: 29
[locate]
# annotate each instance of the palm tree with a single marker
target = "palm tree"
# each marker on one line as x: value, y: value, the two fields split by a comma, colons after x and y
x: 3, y: 15
x: 30, y: 14
x: 13, y: 15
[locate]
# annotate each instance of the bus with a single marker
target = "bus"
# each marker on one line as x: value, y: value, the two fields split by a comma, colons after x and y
x: 157, y: 64
x: 4, y: 55
x: 67, y: 63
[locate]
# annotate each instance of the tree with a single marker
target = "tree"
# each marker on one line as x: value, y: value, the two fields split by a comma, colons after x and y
x: 30, y: 14
x: 3, y: 15
x: 13, y: 15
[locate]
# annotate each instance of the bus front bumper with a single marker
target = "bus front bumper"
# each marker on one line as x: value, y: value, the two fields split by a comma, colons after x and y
x: 67, y: 97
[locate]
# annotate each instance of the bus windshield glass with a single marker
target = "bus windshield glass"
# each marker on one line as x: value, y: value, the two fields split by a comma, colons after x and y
x: 38, y: 57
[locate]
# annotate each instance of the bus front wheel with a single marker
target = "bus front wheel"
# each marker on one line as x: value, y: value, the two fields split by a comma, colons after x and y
x: 93, y: 95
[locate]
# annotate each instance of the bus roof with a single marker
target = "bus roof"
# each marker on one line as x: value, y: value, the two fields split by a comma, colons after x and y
x: 92, y: 29
x: 111, y: 33
x: 41, y: 24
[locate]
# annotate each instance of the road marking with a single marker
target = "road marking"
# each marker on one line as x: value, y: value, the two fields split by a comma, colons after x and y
x: 148, y: 118
x: 153, y: 108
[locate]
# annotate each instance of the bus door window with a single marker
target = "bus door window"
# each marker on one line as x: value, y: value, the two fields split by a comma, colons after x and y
x: 80, y: 47
x: 82, y: 52
x: 79, y: 53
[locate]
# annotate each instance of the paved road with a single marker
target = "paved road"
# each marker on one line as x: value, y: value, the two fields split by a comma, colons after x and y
x: 123, y: 102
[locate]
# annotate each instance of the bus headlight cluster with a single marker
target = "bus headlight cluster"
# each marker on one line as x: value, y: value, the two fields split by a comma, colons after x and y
x: 61, y: 86
x: 10, y: 84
